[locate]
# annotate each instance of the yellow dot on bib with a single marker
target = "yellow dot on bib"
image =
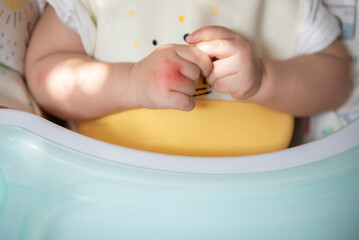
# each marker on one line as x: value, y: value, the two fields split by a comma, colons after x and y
x: 14, y: 5
x: 181, y: 18
x: 136, y: 45
x: 215, y: 10
x: 132, y: 13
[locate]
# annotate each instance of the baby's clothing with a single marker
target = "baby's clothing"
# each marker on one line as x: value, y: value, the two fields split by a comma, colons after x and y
x: 318, y: 27
x: 17, y: 20
x: 128, y: 31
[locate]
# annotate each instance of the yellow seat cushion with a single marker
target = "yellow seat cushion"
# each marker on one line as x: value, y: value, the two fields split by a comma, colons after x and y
x: 212, y: 129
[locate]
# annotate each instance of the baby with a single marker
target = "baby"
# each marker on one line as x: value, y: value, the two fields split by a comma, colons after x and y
x: 88, y: 59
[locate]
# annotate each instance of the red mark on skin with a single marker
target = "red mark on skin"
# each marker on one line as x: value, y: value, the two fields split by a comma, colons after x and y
x: 169, y: 75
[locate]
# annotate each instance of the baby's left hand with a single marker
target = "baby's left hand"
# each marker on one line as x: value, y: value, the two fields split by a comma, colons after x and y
x: 236, y: 69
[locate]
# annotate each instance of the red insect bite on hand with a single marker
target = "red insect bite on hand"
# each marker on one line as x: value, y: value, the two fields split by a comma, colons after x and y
x: 169, y: 75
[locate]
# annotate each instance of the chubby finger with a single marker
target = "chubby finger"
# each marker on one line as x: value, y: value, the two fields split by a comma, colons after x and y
x: 227, y: 84
x: 170, y: 77
x: 189, y: 70
x: 239, y: 90
x: 222, y: 68
x: 185, y: 86
x: 223, y: 48
x: 195, y: 56
x: 209, y: 33
x: 179, y: 101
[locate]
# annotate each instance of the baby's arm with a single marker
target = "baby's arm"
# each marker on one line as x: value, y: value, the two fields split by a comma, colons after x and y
x: 71, y: 85
x: 300, y: 86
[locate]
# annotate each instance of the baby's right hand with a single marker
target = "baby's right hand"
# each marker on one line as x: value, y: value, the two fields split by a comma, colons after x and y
x: 167, y: 77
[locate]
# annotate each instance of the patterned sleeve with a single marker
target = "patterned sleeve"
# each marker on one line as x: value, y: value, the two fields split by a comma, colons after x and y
x: 318, y: 30
x: 76, y: 15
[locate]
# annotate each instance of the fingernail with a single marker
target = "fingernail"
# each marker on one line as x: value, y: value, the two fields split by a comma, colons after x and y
x: 186, y: 36
x: 190, y: 38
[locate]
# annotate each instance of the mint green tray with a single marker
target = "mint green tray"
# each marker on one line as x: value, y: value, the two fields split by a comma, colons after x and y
x: 52, y: 191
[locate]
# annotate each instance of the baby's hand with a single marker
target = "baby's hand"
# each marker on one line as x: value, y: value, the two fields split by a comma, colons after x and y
x: 167, y: 77
x: 236, y: 69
